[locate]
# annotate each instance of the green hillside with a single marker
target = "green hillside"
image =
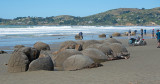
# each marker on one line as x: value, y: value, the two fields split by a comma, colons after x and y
x: 115, y: 17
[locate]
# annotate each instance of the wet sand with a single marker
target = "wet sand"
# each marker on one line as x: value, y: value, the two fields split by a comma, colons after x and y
x: 141, y: 68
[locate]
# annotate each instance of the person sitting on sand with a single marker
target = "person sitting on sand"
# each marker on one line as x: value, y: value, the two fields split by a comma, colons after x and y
x: 138, y: 40
x: 110, y: 36
x: 81, y: 35
x: 158, y: 38
x: 132, y: 40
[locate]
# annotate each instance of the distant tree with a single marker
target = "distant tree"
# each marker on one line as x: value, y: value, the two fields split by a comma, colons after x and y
x: 0, y: 19
x: 143, y: 8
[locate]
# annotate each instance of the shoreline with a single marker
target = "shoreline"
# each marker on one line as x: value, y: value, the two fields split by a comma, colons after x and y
x: 10, y: 49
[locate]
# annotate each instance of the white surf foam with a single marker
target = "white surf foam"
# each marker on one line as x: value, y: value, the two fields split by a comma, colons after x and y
x: 69, y: 30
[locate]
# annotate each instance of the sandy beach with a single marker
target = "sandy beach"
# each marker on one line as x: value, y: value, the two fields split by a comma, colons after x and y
x: 141, y: 68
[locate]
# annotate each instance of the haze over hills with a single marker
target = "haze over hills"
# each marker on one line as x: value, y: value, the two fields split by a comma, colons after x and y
x: 115, y: 17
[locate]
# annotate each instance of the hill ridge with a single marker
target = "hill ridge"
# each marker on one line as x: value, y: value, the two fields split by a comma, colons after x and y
x: 114, y: 17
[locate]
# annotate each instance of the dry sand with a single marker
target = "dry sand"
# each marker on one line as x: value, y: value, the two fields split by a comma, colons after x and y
x: 141, y: 68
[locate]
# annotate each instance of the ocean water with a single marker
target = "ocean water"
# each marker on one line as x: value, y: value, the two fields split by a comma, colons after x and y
x: 28, y: 35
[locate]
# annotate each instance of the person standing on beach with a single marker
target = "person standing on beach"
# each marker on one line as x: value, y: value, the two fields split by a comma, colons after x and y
x: 129, y: 34
x: 81, y: 35
x: 157, y: 30
x: 145, y: 31
x: 135, y: 31
x: 152, y: 33
x: 158, y: 38
x: 141, y: 33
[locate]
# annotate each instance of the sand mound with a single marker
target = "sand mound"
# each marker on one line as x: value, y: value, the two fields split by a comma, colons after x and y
x: 89, y: 42
x: 95, y: 54
x: 62, y: 56
x: 77, y: 62
x: 118, y: 50
x: 112, y: 40
x: 41, y: 46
